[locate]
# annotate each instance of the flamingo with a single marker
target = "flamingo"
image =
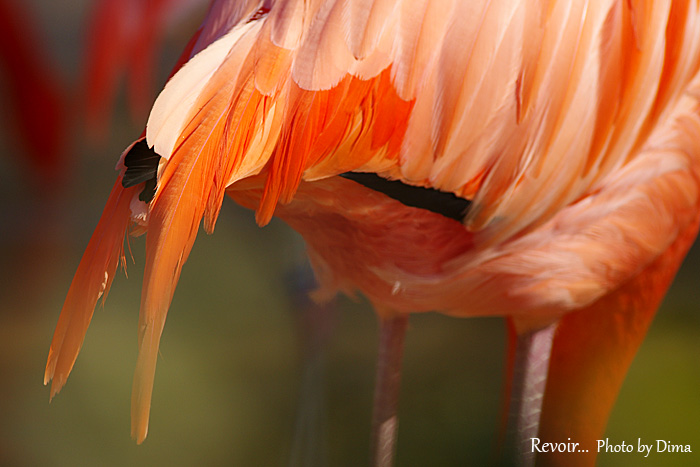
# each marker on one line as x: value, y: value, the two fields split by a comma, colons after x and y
x: 35, y: 97
x: 124, y: 37
x: 532, y: 160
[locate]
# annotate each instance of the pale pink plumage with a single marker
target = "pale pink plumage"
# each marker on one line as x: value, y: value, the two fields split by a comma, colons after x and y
x: 571, y: 126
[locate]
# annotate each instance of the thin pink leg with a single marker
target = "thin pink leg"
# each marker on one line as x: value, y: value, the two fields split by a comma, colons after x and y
x: 529, y: 380
x: 392, y: 330
x: 315, y: 329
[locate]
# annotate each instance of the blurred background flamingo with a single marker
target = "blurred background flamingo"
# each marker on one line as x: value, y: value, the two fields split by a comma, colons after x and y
x: 457, y: 334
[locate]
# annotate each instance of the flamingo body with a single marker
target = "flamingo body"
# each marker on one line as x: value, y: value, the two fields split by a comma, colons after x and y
x: 571, y: 127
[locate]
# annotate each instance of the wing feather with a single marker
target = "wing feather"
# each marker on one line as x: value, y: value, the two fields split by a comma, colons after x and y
x: 222, y: 17
x: 175, y: 105
x: 91, y: 282
x: 539, y: 83
x: 421, y: 29
x: 538, y: 103
x: 365, y: 22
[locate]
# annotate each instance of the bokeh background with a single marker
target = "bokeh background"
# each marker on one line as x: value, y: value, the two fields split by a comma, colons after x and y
x: 232, y: 379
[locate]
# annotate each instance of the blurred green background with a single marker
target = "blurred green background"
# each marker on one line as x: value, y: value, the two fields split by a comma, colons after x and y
x: 230, y: 375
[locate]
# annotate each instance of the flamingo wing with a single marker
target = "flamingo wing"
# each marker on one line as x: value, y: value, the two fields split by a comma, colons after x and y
x: 544, y: 115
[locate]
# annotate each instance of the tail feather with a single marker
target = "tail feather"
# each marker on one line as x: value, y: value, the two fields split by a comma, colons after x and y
x: 191, y: 184
x: 214, y: 126
x: 222, y: 124
x: 174, y: 218
x: 92, y: 281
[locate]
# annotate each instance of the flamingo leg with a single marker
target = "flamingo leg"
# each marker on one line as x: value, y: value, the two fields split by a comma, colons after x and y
x: 315, y: 323
x: 530, y: 367
x: 392, y: 331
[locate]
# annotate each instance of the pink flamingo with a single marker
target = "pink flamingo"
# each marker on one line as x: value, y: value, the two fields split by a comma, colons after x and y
x: 533, y: 160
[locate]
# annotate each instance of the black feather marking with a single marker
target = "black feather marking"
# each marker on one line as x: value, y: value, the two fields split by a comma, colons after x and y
x: 141, y: 166
x: 149, y: 191
x: 260, y: 14
x: 439, y: 202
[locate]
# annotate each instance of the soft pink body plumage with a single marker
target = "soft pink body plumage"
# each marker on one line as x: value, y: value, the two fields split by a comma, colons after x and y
x: 572, y: 127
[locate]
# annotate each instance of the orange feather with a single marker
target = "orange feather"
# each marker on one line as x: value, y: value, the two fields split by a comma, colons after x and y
x: 567, y: 125
x: 91, y: 282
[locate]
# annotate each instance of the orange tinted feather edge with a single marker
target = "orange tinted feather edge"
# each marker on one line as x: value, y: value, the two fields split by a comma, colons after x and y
x: 318, y: 123
x: 171, y: 234
x: 175, y: 214
x: 91, y: 281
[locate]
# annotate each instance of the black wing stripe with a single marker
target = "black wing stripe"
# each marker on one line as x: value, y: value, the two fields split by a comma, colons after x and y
x: 439, y: 202
x: 141, y: 166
